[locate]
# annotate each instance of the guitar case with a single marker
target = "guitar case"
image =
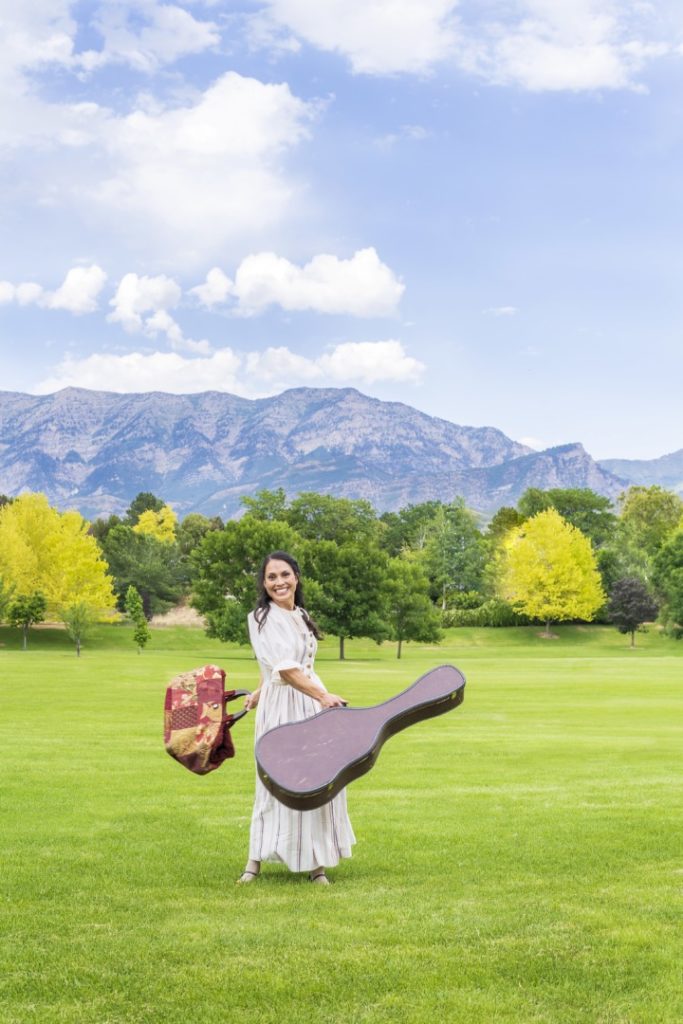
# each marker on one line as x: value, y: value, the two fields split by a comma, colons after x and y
x: 305, y: 764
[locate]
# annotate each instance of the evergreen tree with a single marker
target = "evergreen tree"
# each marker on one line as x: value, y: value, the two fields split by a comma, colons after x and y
x: 136, y: 613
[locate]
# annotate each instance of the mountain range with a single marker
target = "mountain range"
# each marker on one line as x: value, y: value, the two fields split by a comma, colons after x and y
x: 95, y: 450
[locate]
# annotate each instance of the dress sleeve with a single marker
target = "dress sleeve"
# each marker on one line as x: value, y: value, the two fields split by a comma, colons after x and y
x: 276, y: 644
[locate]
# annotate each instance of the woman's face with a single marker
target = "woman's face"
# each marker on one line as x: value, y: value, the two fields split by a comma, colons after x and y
x: 280, y: 582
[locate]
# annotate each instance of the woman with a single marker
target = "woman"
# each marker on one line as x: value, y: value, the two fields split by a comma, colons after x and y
x: 284, y: 638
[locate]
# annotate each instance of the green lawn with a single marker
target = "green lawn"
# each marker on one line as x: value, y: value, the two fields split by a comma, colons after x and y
x: 518, y: 860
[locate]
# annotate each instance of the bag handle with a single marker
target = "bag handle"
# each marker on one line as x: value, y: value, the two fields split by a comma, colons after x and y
x: 233, y: 695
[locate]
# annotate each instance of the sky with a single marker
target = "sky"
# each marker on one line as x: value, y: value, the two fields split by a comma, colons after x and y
x: 473, y: 208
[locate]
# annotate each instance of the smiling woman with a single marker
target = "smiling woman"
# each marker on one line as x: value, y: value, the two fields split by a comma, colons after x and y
x: 284, y: 638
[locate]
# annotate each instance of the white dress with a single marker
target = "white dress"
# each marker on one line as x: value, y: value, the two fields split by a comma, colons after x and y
x: 302, y: 840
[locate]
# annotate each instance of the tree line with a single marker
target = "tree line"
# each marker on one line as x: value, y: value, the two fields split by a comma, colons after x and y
x: 557, y: 555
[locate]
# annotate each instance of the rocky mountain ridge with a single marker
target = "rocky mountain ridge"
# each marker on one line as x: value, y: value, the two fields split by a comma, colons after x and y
x: 95, y: 450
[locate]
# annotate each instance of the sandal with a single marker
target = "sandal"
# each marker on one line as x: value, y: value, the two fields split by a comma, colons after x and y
x: 320, y: 878
x: 247, y: 876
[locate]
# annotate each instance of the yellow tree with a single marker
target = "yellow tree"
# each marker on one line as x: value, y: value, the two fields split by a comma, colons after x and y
x: 161, y: 524
x: 44, y: 550
x: 549, y: 570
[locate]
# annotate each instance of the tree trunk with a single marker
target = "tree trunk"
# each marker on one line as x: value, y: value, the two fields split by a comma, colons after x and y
x: 633, y: 638
x: 398, y: 653
x: 443, y: 598
x: 341, y: 648
x: 78, y: 647
x: 24, y: 643
x: 547, y: 627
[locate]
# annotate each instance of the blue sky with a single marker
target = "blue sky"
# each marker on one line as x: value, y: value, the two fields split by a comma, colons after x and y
x: 473, y: 208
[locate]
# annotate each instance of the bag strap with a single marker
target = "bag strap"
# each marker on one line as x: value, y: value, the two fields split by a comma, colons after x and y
x: 233, y: 695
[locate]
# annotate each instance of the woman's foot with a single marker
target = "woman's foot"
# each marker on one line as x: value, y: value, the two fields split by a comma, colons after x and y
x: 247, y: 876
x: 318, y: 877
x: 250, y: 873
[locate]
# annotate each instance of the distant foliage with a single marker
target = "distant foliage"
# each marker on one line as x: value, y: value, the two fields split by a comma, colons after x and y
x: 667, y: 578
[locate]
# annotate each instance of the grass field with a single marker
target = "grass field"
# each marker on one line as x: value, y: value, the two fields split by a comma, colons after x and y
x: 518, y: 860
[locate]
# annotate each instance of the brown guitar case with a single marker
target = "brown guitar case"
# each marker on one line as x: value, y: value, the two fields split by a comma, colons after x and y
x: 305, y: 764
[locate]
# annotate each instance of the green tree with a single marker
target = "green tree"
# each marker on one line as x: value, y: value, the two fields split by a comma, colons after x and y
x: 192, y: 529
x: 504, y: 520
x: 268, y: 506
x: 408, y: 528
x: 224, y: 568
x: 143, y: 502
x: 590, y: 512
x: 25, y: 611
x: 667, y: 577
x: 549, y: 571
x: 78, y: 619
x: 136, y: 613
x: 350, y: 597
x: 630, y: 605
x: 455, y: 552
x: 410, y: 614
x: 154, y: 568
x: 649, y: 516
x: 322, y: 517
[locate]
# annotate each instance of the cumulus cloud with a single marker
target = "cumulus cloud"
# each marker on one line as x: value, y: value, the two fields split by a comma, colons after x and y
x: 378, y: 37
x: 359, y: 286
x: 154, y: 371
x: 551, y: 45
x: 138, y: 295
x: 539, y: 45
x: 77, y: 294
x: 215, y: 290
x: 147, y: 35
x: 141, y: 305
x: 255, y: 374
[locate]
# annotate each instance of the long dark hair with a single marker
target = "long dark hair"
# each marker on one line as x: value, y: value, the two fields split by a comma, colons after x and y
x: 263, y: 602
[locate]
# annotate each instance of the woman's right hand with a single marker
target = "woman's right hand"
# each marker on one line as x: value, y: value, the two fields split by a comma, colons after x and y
x: 252, y: 700
x: 331, y: 700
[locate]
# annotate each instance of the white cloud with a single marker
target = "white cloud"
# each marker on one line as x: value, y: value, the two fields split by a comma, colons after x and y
x: 371, y: 361
x: 360, y: 286
x: 141, y: 305
x: 551, y: 45
x: 167, y: 33
x: 28, y: 292
x: 502, y: 311
x: 137, y: 295
x: 178, y: 180
x: 539, y: 45
x: 215, y: 289
x: 253, y: 375
x: 203, y: 174
x: 155, y: 371
x: 78, y: 293
x: 378, y: 37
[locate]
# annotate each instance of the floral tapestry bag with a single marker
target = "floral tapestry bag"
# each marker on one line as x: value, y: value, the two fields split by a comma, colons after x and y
x: 196, y: 723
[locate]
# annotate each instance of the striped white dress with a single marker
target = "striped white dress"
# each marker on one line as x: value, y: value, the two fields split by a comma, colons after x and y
x: 302, y: 840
